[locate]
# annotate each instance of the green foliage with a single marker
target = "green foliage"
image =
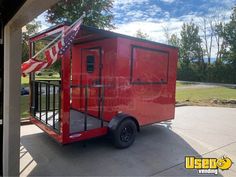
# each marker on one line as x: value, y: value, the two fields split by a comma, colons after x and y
x: 224, y: 69
x: 174, y: 40
x: 25, y: 51
x: 190, y: 43
x: 57, y: 66
x: 190, y: 72
x: 204, y: 96
x: 142, y: 35
x: 217, y: 72
x: 30, y: 28
x: 191, y: 66
x: 229, y: 34
x: 218, y: 31
x: 98, y: 12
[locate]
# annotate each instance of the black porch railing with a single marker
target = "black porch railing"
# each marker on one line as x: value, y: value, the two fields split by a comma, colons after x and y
x: 86, y: 106
x: 46, y: 102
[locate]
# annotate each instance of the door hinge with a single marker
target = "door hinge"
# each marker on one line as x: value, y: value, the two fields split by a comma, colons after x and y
x: 0, y: 121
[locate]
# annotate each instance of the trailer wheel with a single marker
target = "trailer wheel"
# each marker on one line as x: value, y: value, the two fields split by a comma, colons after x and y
x: 125, y: 133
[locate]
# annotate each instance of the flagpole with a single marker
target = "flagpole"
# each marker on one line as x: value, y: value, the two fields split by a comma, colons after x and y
x: 54, y: 40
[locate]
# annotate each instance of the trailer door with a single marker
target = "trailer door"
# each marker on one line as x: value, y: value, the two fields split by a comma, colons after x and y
x: 91, y: 81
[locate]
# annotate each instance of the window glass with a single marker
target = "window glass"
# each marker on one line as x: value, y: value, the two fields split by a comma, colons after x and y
x: 90, y: 63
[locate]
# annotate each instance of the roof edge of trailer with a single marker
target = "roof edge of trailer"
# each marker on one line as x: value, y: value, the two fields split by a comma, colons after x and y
x: 114, y: 34
x: 49, y: 29
x: 101, y: 31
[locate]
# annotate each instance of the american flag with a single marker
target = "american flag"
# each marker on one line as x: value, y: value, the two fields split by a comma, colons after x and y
x: 53, y: 53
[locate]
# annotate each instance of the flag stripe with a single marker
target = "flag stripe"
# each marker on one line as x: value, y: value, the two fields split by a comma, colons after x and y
x: 53, y: 53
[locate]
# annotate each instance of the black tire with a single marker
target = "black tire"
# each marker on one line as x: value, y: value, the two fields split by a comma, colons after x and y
x: 124, y: 135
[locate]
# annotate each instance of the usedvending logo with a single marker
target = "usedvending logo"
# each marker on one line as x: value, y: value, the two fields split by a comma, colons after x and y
x: 208, y: 165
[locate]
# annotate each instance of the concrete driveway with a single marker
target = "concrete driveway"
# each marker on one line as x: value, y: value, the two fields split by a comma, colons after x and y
x: 159, y: 150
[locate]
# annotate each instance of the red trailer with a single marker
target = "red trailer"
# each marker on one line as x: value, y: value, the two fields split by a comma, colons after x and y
x: 110, y: 84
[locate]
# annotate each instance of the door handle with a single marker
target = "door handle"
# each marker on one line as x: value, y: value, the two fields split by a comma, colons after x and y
x: 96, y: 82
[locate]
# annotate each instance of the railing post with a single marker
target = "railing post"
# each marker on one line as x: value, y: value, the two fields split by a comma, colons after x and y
x: 32, y: 99
x: 46, y: 106
x: 40, y: 100
x: 59, y: 106
x: 102, y: 105
x: 48, y: 95
x: 53, y: 106
x: 86, y: 108
x: 35, y: 97
x: 65, y: 97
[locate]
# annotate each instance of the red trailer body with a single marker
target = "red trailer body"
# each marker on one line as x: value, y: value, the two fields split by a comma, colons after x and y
x: 110, y: 78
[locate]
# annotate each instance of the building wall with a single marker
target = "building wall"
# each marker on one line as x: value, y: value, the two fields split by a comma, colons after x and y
x: 1, y: 93
x: 17, y: 18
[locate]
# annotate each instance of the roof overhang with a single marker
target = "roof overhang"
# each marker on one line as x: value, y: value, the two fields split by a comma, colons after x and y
x: 86, y: 34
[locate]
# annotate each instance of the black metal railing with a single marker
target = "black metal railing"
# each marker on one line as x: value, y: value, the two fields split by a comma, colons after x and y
x: 46, y: 102
x: 101, y: 101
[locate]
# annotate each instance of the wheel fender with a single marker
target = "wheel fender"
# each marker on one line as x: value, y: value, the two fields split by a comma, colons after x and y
x: 114, y: 123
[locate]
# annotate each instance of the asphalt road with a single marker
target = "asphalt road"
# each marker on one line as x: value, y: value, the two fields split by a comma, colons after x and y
x: 159, y: 150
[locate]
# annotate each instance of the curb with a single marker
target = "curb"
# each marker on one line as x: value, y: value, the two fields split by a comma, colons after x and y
x: 25, y: 121
x: 181, y: 104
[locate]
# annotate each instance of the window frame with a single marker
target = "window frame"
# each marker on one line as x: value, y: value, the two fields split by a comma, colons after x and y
x: 132, y: 65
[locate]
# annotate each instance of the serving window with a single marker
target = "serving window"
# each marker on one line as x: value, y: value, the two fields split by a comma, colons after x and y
x: 149, y: 66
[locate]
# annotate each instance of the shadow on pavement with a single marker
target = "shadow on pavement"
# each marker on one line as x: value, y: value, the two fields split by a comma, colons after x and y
x: 157, y: 151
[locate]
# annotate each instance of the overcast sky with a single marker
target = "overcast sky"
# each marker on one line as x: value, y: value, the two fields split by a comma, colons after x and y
x: 151, y: 16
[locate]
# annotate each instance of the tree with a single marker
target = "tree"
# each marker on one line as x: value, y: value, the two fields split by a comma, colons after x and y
x: 211, y: 28
x: 229, y: 52
x: 174, y: 40
x: 224, y: 34
x: 98, y: 12
x: 142, y: 35
x: 220, y: 42
x: 167, y: 34
x: 191, y: 64
x: 171, y: 39
x: 207, y: 28
x: 31, y: 28
x: 190, y: 44
x: 219, y: 18
x: 229, y: 35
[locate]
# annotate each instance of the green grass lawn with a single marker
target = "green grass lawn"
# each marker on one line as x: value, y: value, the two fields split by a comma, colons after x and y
x: 205, y: 96
x: 24, y: 106
x: 180, y: 84
x: 24, y: 81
